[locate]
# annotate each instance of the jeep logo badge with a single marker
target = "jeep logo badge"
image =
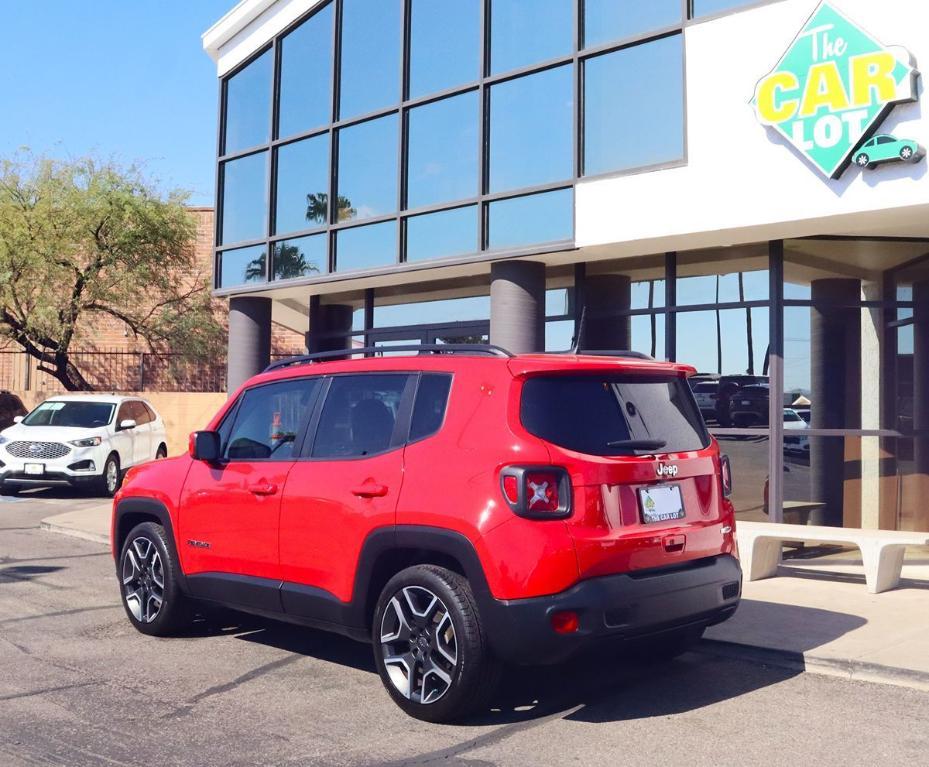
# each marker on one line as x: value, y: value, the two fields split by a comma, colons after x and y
x: 666, y: 471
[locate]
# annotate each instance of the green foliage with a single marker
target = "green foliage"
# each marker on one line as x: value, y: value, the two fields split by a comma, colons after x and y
x: 84, y: 239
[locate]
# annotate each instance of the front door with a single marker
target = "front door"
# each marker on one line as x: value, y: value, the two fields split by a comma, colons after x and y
x: 229, y: 511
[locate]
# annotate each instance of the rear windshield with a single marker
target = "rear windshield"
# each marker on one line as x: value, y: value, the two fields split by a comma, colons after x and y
x: 597, y: 414
x: 85, y: 415
x: 703, y: 388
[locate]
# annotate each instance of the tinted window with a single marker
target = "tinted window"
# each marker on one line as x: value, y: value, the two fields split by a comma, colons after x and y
x: 371, y: 37
x: 587, y: 413
x: 359, y: 416
x: 244, y: 198
x: 268, y: 420
x: 124, y: 413
x: 306, y: 75
x: 302, y: 257
x: 706, y: 388
x: 524, y: 33
x: 443, y: 151
x: 429, y: 410
x: 138, y: 413
x: 531, y: 130
x: 243, y: 265
x: 445, y: 38
x: 248, y: 105
x: 84, y: 415
x: 368, y: 169
x: 149, y: 412
x: 302, y: 185
x: 443, y: 234
x: 537, y: 218
x: 613, y: 85
x: 606, y: 20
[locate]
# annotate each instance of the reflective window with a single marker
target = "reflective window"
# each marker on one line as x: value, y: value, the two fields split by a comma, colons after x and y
x: 710, y: 7
x: 606, y: 20
x: 237, y: 267
x: 302, y: 185
x: 443, y: 151
x: 538, y: 218
x: 442, y: 310
x: 268, y: 420
x: 371, y: 36
x: 649, y: 79
x: 523, y: 33
x: 364, y: 247
x: 703, y: 277
x: 443, y: 234
x: 301, y: 257
x: 559, y: 335
x: 368, y: 169
x: 531, y: 130
x: 248, y: 105
x: 445, y: 40
x: 648, y: 334
x: 245, y: 204
x: 305, y: 100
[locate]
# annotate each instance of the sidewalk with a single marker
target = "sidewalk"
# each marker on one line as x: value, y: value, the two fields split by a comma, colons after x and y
x: 816, y: 615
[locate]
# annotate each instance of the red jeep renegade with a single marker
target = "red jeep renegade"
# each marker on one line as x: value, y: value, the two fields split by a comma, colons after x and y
x: 459, y: 507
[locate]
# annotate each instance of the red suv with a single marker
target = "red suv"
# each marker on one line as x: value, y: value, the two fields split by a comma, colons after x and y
x: 459, y: 507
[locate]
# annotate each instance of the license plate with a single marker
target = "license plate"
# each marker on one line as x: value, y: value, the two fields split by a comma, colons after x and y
x: 34, y: 468
x: 661, y: 503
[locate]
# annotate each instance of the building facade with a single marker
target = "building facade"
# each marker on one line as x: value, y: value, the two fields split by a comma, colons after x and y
x: 738, y: 185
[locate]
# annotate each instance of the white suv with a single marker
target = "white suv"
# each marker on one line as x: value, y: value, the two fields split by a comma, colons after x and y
x: 80, y: 439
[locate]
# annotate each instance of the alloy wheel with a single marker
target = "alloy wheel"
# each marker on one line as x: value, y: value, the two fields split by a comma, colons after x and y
x: 419, y: 645
x: 143, y: 580
x: 906, y: 153
x: 112, y: 476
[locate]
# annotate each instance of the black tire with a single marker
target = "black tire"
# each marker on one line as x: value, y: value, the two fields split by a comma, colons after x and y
x: 161, y: 453
x: 148, y: 548
x: 668, y: 645
x: 475, y: 672
x: 906, y: 154
x: 863, y: 161
x: 106, y: 485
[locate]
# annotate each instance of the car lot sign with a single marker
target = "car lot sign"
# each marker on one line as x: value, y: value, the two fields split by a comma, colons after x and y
x: 832, y: 89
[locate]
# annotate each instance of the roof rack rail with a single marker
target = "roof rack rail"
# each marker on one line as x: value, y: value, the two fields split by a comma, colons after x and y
x: 607, y: 353
x: 488, y: 350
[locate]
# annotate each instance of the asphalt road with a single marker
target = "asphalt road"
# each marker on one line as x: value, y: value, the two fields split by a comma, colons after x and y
x: 78, y: 686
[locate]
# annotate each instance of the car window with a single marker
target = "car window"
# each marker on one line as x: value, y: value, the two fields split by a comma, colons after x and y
x: 138, y: 413
x: 706, y: 388
x: 124, y: 413
x: 149, y: 412
x: 885, y: 140
x: 359, y: 415
x: 83, y: 415
x: 268, y: 420
x: 429, y: 409
x: 790, y: 415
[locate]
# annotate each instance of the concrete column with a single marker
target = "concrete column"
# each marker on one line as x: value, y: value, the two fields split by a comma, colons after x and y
x: 835, y: 364
x: 330, y: 326
x: 249, y: 339
x: 517, y: 306
x: 604, y: 295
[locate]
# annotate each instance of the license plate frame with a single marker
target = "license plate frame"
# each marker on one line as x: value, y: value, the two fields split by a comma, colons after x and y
x: 667, y: 503
x: 34, y: 469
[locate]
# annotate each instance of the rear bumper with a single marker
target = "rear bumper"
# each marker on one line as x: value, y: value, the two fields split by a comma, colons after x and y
x: 615, y: 607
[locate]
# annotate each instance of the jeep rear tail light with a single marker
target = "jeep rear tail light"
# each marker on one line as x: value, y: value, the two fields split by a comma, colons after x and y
x: 725, y: 475
x: 537, y: 492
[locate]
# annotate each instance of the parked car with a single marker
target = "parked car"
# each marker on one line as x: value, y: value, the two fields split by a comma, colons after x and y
x: 748, y: 407
x: 11, y: 408
x: 795, y: 442
x: 460, y: 508
x: 706, y: 393
x: 80, y: 440
x: 729, y: 386
x: 886, y: 148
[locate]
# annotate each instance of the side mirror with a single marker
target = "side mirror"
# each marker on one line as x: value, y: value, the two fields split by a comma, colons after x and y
x: 204, y: 446
x: 17, y: 418
x: 128, y: 423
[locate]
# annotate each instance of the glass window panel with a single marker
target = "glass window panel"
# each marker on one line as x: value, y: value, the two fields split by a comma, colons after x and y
x: 245, y: 206
x: 445, y: 40
x: 368, y: 169
x: 439, y: 235
x: 558, y: 302
x: 248, y: 105
x: 559, y: 335
x: 365, y: 247
x: 268, y: 420
x: 537, y: 218
x: 306, y: 75
x: 524, y: 33
x: 648, y: 81
x: 748, y: 456
x: 726, y: 282
x: 710, y: 7
x: 443, y: 151
x: 243, y: 265
x: 606, y: 20
x: 531, y: 130
x: 648, y: 335
x: 300, y: 257
x: 648, y: 294
x: 302, y: 185
x: 371, y: 38
x: 441, y: 311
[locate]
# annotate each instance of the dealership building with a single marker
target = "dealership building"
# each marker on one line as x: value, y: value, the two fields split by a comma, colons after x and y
x: 739, y: 185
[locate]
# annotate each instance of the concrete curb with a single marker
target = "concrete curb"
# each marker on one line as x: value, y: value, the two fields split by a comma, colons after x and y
x: 53, y: 527
x: 844, y: 668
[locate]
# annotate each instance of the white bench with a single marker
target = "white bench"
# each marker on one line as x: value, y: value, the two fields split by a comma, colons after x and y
x: 881, y: 550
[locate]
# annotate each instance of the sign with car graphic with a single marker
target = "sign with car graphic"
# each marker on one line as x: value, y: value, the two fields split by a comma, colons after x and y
x: 832, y: 89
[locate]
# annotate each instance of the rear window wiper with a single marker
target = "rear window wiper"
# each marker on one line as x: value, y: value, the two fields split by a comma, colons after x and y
x: 638, y: 444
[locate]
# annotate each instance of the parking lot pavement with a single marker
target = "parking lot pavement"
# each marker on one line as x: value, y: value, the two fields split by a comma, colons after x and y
x: 78, y: 686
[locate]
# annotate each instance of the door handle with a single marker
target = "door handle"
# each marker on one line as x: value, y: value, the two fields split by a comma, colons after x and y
x: 263, y: 488
x: 370, y: 490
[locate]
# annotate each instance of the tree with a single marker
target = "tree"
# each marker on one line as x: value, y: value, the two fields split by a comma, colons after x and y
x: 317, y: 208
x: 85, y: 239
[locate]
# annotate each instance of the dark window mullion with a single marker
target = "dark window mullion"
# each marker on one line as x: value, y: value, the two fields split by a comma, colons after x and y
x: 403, y: 125
x: 483, y: 133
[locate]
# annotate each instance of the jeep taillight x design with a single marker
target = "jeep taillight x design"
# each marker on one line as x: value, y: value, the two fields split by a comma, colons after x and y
x: 459, y: 508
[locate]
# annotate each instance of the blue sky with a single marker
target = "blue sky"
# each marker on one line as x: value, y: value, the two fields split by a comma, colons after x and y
x: 126, y: 79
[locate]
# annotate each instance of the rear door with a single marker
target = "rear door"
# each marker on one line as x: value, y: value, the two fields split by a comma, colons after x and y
x: 346, y: 486
x: 123, y: 440
x: 142, y: 433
